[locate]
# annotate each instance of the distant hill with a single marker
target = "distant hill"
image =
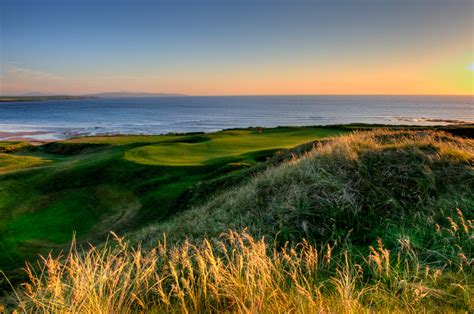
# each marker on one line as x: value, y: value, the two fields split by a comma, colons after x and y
x: 132, y: 94
x: 34, y: 94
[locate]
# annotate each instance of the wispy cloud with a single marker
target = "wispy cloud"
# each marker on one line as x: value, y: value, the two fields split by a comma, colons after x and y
x: 14, y: 71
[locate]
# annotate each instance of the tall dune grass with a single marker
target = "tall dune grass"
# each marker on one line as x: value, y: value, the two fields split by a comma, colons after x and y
x: 238, y: 273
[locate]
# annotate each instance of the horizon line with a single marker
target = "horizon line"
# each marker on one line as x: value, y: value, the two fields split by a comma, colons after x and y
x: 223, y: 95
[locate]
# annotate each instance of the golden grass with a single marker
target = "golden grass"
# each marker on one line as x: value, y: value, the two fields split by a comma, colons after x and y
x: 238, y: 273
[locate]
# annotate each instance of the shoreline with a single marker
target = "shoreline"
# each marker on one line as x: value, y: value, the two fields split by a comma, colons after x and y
x: 44, y: 137
x: 25, y: 137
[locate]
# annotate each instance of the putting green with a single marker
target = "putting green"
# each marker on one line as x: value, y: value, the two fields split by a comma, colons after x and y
x: 216, y: 147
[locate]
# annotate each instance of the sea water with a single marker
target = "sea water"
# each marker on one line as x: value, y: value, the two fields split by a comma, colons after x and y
x: 66, y: 118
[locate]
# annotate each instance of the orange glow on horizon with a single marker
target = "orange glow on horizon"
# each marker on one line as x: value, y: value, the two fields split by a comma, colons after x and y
x: 442, y: 76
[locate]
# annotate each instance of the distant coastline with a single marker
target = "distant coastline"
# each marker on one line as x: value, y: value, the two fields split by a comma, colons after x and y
x: 27, y: 97
x: 40, y: 98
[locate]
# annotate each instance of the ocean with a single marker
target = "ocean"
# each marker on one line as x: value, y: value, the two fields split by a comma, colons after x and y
x: 59, y: 119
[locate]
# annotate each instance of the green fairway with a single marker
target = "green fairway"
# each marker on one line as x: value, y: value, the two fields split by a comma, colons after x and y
x: 92, y: 185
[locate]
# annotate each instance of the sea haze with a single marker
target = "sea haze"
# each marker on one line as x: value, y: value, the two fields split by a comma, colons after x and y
x: 66, y: 118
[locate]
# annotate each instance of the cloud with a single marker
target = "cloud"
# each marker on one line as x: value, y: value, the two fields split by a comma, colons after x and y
x: 16, y: 72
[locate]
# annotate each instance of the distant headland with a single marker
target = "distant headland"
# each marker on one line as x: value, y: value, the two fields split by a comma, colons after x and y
x: 36, y: 96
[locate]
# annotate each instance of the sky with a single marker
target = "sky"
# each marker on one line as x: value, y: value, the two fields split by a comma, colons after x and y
x: 231, y: 47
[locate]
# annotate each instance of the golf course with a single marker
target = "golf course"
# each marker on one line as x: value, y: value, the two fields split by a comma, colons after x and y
x: 91, y: 185
x: 315, y: 217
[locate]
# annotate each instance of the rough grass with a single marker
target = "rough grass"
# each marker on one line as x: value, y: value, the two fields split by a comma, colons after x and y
x: 9, y: 163
x: 387, y: 218
x: 7, y: 147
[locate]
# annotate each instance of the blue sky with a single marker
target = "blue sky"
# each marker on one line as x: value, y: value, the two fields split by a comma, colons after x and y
x: 237, y: 47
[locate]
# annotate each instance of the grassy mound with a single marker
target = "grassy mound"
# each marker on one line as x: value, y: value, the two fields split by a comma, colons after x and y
x: 368, y: 185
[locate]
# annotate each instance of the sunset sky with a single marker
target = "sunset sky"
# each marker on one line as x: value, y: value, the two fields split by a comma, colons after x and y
x: 237, y: 47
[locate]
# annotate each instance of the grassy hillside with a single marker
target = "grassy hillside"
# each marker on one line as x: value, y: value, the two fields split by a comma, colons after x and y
x: 372, y: 221
x: 367, y: 184
x: 92, y: 185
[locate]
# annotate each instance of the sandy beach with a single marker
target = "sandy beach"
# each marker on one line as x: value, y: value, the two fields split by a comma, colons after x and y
x: 25, y: 137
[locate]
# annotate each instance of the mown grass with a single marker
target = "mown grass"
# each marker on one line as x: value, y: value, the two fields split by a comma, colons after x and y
x: 227, y: 145
x: 372, y: 221
x: 90, y: 186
